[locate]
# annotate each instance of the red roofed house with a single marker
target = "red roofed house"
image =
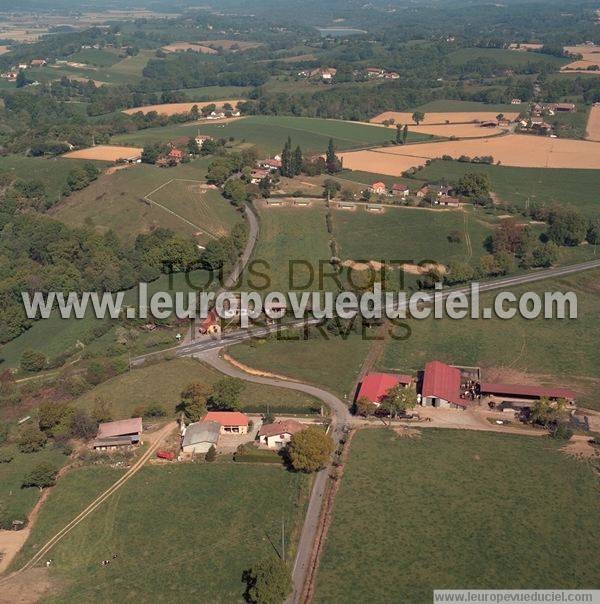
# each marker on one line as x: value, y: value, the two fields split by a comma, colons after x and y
x: 232, y: 422
x: 278, y: 434
x: 176, y: 154
x: 441, y: 386
x: 121, y: 433
x: 378, y: 188
x: 401, y: 190
x: 375, y: 386
x: 271, y: 164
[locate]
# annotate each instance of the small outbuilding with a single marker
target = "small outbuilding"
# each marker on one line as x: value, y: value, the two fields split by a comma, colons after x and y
x: 199, y: 437
x: 122, y: 433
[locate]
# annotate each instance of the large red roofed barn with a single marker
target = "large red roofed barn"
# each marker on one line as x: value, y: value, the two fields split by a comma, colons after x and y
x: 375, y: 386
x: 441, y: 386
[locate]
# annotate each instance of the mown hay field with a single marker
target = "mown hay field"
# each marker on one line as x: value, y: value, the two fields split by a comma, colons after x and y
x: 104, y: 153
x: 450, y: 117
x: 174, y: 108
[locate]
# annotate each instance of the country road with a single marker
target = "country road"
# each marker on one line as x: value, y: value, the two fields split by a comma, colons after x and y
x: 340, y: 419
x: 135, y: 468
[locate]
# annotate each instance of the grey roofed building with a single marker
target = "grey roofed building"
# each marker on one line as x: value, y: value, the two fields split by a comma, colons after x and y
x: 200, y: 436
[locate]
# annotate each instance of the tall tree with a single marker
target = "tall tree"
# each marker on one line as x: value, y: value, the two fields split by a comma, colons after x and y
x: 297, y: 161
x: 332, y: 162
x: 286, y: 159
x: 310, y: 449
x: 418, y: 117
x: 404, y: 134
x: 398, y: 134
x: 268, y: 582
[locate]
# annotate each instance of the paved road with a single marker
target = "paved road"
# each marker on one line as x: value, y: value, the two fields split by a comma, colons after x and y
x: 340, y: 418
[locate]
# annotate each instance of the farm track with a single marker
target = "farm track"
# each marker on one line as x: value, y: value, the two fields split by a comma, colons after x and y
x: 137, y: 466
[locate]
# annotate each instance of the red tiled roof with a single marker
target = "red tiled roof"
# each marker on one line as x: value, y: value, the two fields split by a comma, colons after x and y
x: 526, y: 391
x: 376, y: 385
x: 290, y: 426
x: 397, y: 187
x: 120, y: 428
x: 175, y: 153
x: 442, y: 381
x: 226, y: 418
x: 378, y: 185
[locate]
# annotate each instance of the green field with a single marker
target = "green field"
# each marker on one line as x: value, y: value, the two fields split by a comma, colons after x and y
x: 448, y: 106
x: 456, y: 509
x: 95, y: 57
x: 519, y: 185
x: 215, y: 93
x: 52, y: 172
x: 555, y: 352
x: 332, y: 362
x: 162, y: 383
x: 405, y: 234
x: 19, y: 501
x: 289, y: 238
x: 505, y: 58
x: 115, y: 202
x: 571, y: 125
x: 269, y: 133
x: 181, y: 532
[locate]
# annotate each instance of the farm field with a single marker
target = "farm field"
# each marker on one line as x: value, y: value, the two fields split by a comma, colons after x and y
x: 458, y: 130
x: 269, y: 133
x: 114, y: 201
x: 443, y: 118
x: 110, y: 153
x: 465, y: 498
x: 19, y: 501
x: 162, y: 383
x: 241, y: 510
x: 593, y: 124
x: 452, y: 106
x: 185, y: 46
x: 590, y: 54
x: 288, y: 235
x: 331, y: 362
x: 52, y: 172
x: 516, y: 350
x: 95, y: 57
x: 231, y: 44
x: 520, y: 185
x: 511, y: 150
x: 410, y: 234
x: 174, y: 108
x: 504, y: 58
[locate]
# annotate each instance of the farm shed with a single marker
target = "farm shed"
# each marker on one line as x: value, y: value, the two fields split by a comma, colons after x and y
x: 441, y: 386
x: 524, y: 392
x: 199, y: 437
x: 375, y: 386
x: 231, y: 422
x: 121, y: 433
x: 278, y: 434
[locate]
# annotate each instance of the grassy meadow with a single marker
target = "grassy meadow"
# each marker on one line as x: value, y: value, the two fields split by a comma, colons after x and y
x: 447, y: 106
x: 180, y: 532
x: 554, y: 352
x: 519, y: 185
x: 162, y: 383
x: 452, y: 509
x: 269, y: 133
x: 504, y: 58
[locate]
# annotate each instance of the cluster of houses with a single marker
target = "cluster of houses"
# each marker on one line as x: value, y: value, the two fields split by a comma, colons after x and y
x: 325, y: 73
x: 175, y: 155
x: 378, y: 73
x: 11, y: 74
x: 264, y: 168
x: 438, y: 194
x: 447, y: 386
x: 536, y: 122
x: 199, y: 437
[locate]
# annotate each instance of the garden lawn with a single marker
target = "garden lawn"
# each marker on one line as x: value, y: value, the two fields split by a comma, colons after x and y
x: 455, y: 509
x: 180, y: 532
x: 519, y: 185
x: 543, y: 351
x: 269, y: 133
x: 162, y: 383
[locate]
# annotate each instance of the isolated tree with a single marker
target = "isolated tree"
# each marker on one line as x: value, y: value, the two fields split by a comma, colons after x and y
x: 82, y: 425
x: 473, y: 184
x: 211, y: 454
x: 418, y: 117
x: 332, y: 162
x: 330, y: 188
x: 399, y: 134
x: 52, y: 415
x: 225, y: 395
x: 567, y: 226
x: 593, y: 232
x: 364, y: 406
x: 398, y: 400
x: 31, y: 439
x: 32, y: 360
x: 42, y: 475
x: 297, y: 161
x: 102, y: 410
x: 309, y: 450
x: 193, y: 401
x: 268, y: 582
x: 404, y: 134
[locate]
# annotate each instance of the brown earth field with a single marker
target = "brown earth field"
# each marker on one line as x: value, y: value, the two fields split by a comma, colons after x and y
x: 590, y: 54
x: 456, y: 130
x: 592, y: 132
x: 228, y: 44
x: 458, y: 117
x: 519, y: 150
x: 173, y: 108
x: 525, y: 46
x: 104, y: 153
x: 184, y: 46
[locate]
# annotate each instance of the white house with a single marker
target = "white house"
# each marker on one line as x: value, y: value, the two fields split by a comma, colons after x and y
x: 278, y: 434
